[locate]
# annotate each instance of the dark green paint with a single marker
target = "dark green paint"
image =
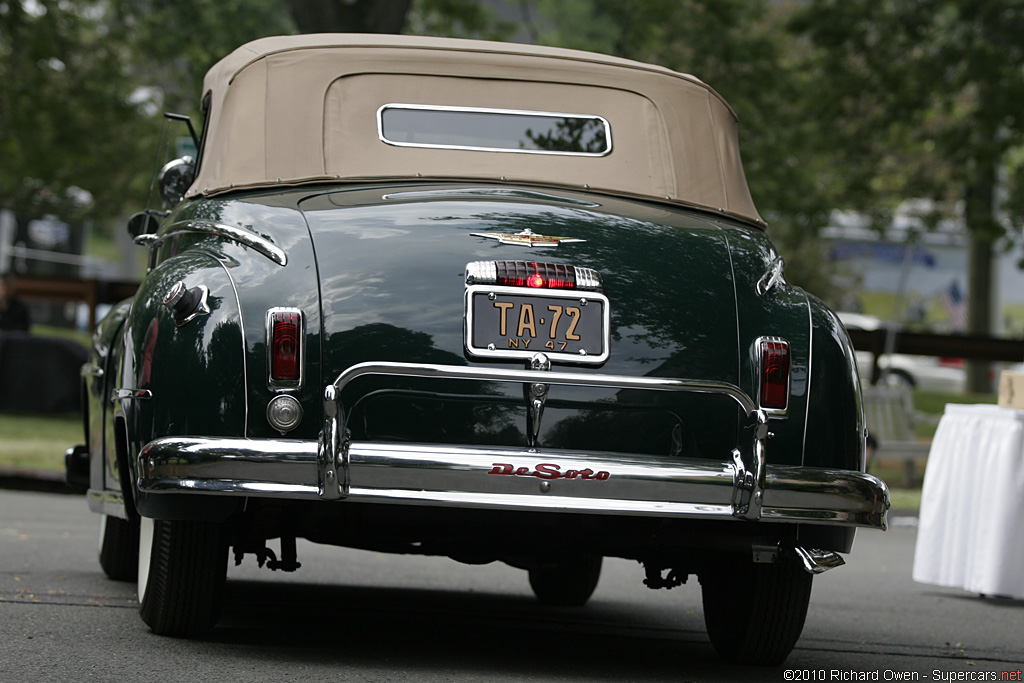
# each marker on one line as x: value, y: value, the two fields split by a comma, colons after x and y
x: 383, y: 279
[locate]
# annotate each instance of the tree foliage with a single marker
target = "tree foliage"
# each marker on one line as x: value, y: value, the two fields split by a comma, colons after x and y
x: 742, y: 49
x: 853, y: 104
x: 923, y: 98
x: 66, y: 110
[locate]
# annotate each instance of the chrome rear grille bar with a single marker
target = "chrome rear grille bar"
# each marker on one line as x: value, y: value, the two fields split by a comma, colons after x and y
x: 334, y: 458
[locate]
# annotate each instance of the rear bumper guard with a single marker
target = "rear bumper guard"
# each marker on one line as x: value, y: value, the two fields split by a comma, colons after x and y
x: 337, y: 468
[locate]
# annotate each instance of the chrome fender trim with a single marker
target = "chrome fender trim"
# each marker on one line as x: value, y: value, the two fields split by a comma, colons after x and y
x: 250, y: 239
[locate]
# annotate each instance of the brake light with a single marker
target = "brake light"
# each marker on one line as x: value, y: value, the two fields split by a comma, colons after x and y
x: 532, y: 274
x: 774, y: 373
x: 285, y: 332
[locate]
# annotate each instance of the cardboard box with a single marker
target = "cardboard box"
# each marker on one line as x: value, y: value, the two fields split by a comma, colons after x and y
x: 1011, y: 389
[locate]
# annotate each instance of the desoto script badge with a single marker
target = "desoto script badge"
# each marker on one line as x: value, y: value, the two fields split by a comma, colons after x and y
x: 526, y: 238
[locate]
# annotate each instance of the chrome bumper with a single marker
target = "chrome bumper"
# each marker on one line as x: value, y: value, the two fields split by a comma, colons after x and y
x: 336, y: 468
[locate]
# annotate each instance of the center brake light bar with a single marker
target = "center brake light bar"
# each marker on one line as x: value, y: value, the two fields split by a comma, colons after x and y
x: 533, y: 274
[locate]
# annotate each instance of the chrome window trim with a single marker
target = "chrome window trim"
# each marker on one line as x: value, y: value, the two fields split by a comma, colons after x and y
x: 284, y: 385
x: 773, y: 412
x: 486, y: 110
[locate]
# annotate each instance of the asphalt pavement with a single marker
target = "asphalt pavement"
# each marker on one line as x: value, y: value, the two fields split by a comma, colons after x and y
x: 357, y: 616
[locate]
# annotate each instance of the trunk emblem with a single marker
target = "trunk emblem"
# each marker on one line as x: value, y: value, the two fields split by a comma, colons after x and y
x: 526, y: 238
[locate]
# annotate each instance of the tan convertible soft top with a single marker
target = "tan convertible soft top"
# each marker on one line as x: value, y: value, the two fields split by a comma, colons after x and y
x: 300, y: 109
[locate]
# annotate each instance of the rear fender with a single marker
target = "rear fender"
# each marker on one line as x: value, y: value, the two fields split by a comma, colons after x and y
x: 836, y: 434
x: 769, y: 307
x: 181, y: 379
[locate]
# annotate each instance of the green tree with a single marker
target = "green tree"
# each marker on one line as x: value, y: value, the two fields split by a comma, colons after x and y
x: 67, y: 116
x: 922, y: 99
x: 84, y: 82
x: 172, y: 45
x: 741, y: 48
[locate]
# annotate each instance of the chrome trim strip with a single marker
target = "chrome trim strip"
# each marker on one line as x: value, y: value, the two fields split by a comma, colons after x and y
x: 242, y: 337
x: 240, y: 235
x: 487, y: 110
x: 486, y: 193
x: 106, y: 503
x: 131, y: 394
x: 464, y: 477
x: 810, y: 379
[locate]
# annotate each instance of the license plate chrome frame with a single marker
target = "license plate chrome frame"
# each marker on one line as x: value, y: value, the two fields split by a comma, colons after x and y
x: 582, y: 299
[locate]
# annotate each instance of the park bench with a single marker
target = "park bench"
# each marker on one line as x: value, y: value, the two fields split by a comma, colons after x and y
x: 890, y: 418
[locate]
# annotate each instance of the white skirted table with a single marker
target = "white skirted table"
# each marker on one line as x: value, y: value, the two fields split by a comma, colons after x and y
x: 971, y: 532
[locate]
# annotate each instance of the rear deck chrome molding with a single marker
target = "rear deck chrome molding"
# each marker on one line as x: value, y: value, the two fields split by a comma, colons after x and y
x: 336, y: 468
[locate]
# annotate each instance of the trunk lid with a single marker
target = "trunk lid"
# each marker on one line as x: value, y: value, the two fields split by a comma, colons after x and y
x: 392, y: 272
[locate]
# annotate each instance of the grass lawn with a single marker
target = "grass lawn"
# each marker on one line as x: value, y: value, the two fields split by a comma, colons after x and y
x: 37, y: 442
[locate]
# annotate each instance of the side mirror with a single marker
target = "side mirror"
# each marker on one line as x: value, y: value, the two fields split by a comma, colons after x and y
x: 174, y: 180
x: 142, y: 223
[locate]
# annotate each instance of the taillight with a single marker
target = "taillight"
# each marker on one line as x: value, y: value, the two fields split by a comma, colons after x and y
x: 773, y: 354
x: 532, y: 274
x: 284, y: 343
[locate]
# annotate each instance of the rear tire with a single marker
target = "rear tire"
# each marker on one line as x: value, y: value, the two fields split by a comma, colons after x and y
x: 119, y: 548
x: 568, y: 582
x: 182, y: 571
x: 754, y: 613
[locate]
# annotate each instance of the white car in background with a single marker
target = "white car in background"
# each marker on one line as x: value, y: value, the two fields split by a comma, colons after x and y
x: 917, y: 372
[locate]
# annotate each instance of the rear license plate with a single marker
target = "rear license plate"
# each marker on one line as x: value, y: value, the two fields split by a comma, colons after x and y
x: 508, y: 322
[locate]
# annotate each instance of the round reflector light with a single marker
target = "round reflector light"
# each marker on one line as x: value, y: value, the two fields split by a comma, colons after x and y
x: 284, y: 413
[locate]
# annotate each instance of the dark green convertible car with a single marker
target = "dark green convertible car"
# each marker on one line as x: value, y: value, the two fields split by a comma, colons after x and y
x: 485, y: 301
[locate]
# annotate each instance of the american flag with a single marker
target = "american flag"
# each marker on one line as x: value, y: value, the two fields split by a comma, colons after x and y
x: 953, y: 301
